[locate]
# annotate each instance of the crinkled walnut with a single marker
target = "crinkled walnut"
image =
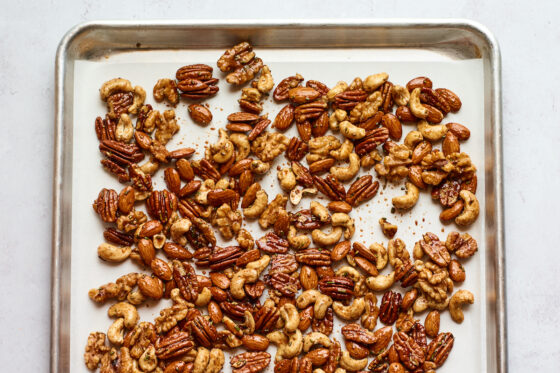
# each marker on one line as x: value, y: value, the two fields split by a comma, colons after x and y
x: 95, y: 349
x: 166, y: 89
x: 397, y: 252
x: 433, y: 281
x: 395, y: 164
x: 131, y: 221
x: 118, y: 290
x: 141, y: 337
x: 270, y: 214
x: 320, y: 147
x: 245, y: 239
x: 269, y: 146
x: 227, y: 221
x: 167, y: 127
x: 169, y: 317
x: 365, y: 110
x: 462, y: 166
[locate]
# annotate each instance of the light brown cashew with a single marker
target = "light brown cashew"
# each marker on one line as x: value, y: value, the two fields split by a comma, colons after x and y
x: 277, y: 337
x: 380, y: 254
x: 350, y: 272
x: 432, y: 132
x: 222, y: 150
x: 457, y: 300
x: 315, y: 338
x: 348, y: 172
x: 294, y: 346
x: 265, y: 83
x: 471, y: 209
x: 112, y: 253
x: 297, y: 194
x: 216, y: 362
x: 287, y: 179
x: 320, y: 211
x: 259, y: 167
x: 321, y: 301
x: 139, y: 97
x: 135, y: 297
x: 203, y: 297
x: 124, y: 129
x: 350, y: 312
x: 351, y: 131
x: 340, y: 219
x: 239, y: 280
x: 242, y: 145
x: 258, y: 207
x: 344, y: 151
x: 340, y: 370
x: 372, y: 82
x: 421, y: 304
x: 260, y: 264
x: 126, y: 311
x: 401, y: 96
x: 319, y: 370
x: 201, y: 360
x: 381, y: 282
x: 290, y: 315
x: 297, y: 242
x: 223, y: 183
x: 409, y: 199
x: 201, y: 195
x: 149, y: 167
x: 413, y: 138
x: 248, y: 326
x: 416, y: 107
x: 338, y: 88
x: 114, y: 86
x: 336, y: 118
x: 326, y: 239
x: 148, y: 361
x: 115, y: 334
x: 350, y: 364
x: 178, y: 230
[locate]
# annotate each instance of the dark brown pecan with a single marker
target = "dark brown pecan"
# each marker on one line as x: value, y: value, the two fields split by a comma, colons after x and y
x: 225, y: 257
x: 266, y: 318
x: 117, y: 237
x: 115, y: 169
x: 334, y: 357
x: 303, y: 176
x: 140, y: 180
x: 190, y: 209
x: 248, y: 257
x: 105, y: 128
x: 296, y: 149
x: 433, y: 98
x: 236, y: 310
x: 387, y: 97
x: 245, y: 73
x: 320, y: 126
x: 119, y: 103
x: 282, y: 90
x: 106, y: 205
x: 371, y: 141
x: 349, y: 99
x: 390, y: 307
x: 310, y: 111
x: 161, y: 205
x: 418, y: 333
x: 255, y: 289
x: 337, y: 287
x: 330, y: 187
x: 284, y: 283
x: 463, y: 245
x: 196, y: 81
x: 205, y: 170
x: 439, y: 348
x: 258, y: 129
x: 272, y: 243
x: 324, y: 325
x: 355, y: 333
x: 121, y: 153
x: 283, y: 263
x: 173, y: 345
x: 318, y: 86
x: 362, y: 190
x: 204, y: 331
x: 410, y: 353
x: 202, y: 254
x: 449, y: 192
x: 305, y: 220
x: 250, y: 362
x: 235, y: 57
x: 314, y: 257
x: 186, y: 280
x: 181, y: 153
x: 406, y: 274
x: 435, y: 249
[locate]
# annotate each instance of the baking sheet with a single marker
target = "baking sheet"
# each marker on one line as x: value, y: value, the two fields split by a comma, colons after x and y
x: 465, y: 77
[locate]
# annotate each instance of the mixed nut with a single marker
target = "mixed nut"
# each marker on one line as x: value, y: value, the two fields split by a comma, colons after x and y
x: 298, y: 260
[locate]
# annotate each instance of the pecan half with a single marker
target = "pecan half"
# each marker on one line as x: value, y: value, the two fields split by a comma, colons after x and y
x: 355, y: 333
x: 337, y: 287
x: 250, y: 362
x: 283, y: 263
x: 303, y: 176
x: 236, y: 310
x: 314, y: 257
x: 406, y: 274
x: 266, y: 318
x: 418, y: 333
x: 105, y: 128
x: 281, y: 92
x: 186, y: 280
x: 223, y: 258
x: 463, y: 245
x: 410, y: 353
x: 120, y: 172
x: 324, y: 325
x: 362, y: 190
x: 371, y: 141
x: 330, y: 187
x: 161, y: 205
x: 296, y: 149
x: 349, y: 99
x: 272, y: 243
x: 305, y: 220
x: 390, y: 307
x: 174, y: 345
x: 284, y: 283
x: 435, y: 249
x: 439, y: 348
x: 432, y: 97
x: 204, y: 331
x: 120, y: 238
x: 121, y: 153
x: 196, y: 81
x: 106, y: 205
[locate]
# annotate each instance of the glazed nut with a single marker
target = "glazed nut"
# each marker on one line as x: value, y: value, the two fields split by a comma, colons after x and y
x: 393, y: 125
x: 255, y: 342
x: 125, y: 310
x: 372, y: 82
x: 456, y: 271
x: 302, y: 95
x: 112, y: 253
x: 308, y: 277
x: 351, y: 131
x: 151, y: 287
x: 381, y: 282
x: 321, y: 166
x: 460, y: 131
x: 339, y: 206
x: 200, y: 114
x: 456, y: 302
x: 431, y: 324
x: 388, y: 229
x: 470, y: 211
x: 450, y: 144
x: 166, y: 89
x: 409, y: 199
x: 432, y: 132
x: 416, y: 107
x: 419, y: 82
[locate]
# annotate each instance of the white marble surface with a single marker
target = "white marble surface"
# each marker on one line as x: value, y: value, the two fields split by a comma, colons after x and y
x: 528, y: 35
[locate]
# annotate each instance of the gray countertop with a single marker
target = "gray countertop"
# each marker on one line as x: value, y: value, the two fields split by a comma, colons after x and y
x: 528, y: 34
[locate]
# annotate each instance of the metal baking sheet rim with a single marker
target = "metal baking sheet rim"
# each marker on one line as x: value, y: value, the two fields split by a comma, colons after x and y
x: 487, y: 48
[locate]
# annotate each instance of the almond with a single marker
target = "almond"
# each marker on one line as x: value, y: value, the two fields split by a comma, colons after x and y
x: 255, y: 342
x: 184, y: 169
x: 151, y: 287
x: 415, y: 176
x: 321, y: 166
x: 405, y: 115
x: 240, y: 167
x: 450, y: 144
x: 420, y: 151
x: 189, y: 188
x: 284, y: 119
x: 150, y: 228
x: 215, y: 312
x: 200, y: 114
x: 126, y: 200
x: 161, y: 269
x: 452, y: 212
x: 432, y: 324
x: 339, y: 206
x: 172, y: 179
x: 239, y: 127
x: 459, y: 130
x: 220, y: 280
x: 434, y: 114
x: 219, y: 197
x: 146, y: 250
x: 308, y: 278
x: 302, y: 95
x: 175, y: 251
x: 340, y: 250
x: 393, y: 125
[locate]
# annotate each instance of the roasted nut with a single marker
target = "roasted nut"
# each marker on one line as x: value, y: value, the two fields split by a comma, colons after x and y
x: 390, y: 306
x: 166, y: 89
x: 388, y: 229
x: 456, y: 271
x: 431, y: 324
x: 410, y: 353
x: 460, y: 131
x: 439, y: 349
x: 111, y: 253
x: 409, y: 199
x: 463, y: 245
x: 200, y: 114
x: 457, y: 300
x: 308, y: 278
x: 106, y: 205
x: 393, y: 125
x: 470, y: 209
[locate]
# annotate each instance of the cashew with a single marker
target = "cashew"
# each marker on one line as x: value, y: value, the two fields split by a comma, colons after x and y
x: 265, y: 82
x: 238, y: 282
x: 350, y: 364
x: 350, y: 312
x: 287, y: 179
x: 258, y: 207
x: 112, y: 253
x: 126, y: 311
x: 344, y: 220
x: 380, y: 254
x: 350, y: 272
x: 222, y: 150
x: 340, y: 370
x: 297, y: 194
x: 297, y: 242
x: 344, y: 151
x: 216, y: 362
x: 203, y: 297
x: 290, y: 315
x: 202, y: 193
x: 178, y: 229
x: 320, y: 211
x: 422, y: 303
x: 338, y: 116
x: 381, y: 282
x: 347, y: 173
x: 248, y: 326
x: 471, y: 209
x: 409, y: 199
x: 201, y: 360
x: 242, y: 145
x: 322, y: 302
x: 114, y: 86
x: 338, y: 88
x: 223, y: 183
x: 412, y: 139
x: 259, y: 265
x: 457, y: 300
x: 401, y: 96
x: 115, y: 334
x: 287, y: 348
x: 326, y: 239
x: 259, y: 167
x: 139, y: 97
x: 124, y: 129
x: 351, y: 131
x: 432, y: 132
x: 277, y: 337
x: 315, y: 338
x: 148, y: 360
x: 416, y: 107
x: 372, y: 82
x: 135, y: 297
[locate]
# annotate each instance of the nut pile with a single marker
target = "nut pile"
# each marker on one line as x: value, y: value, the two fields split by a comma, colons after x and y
x: 305, y: 257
